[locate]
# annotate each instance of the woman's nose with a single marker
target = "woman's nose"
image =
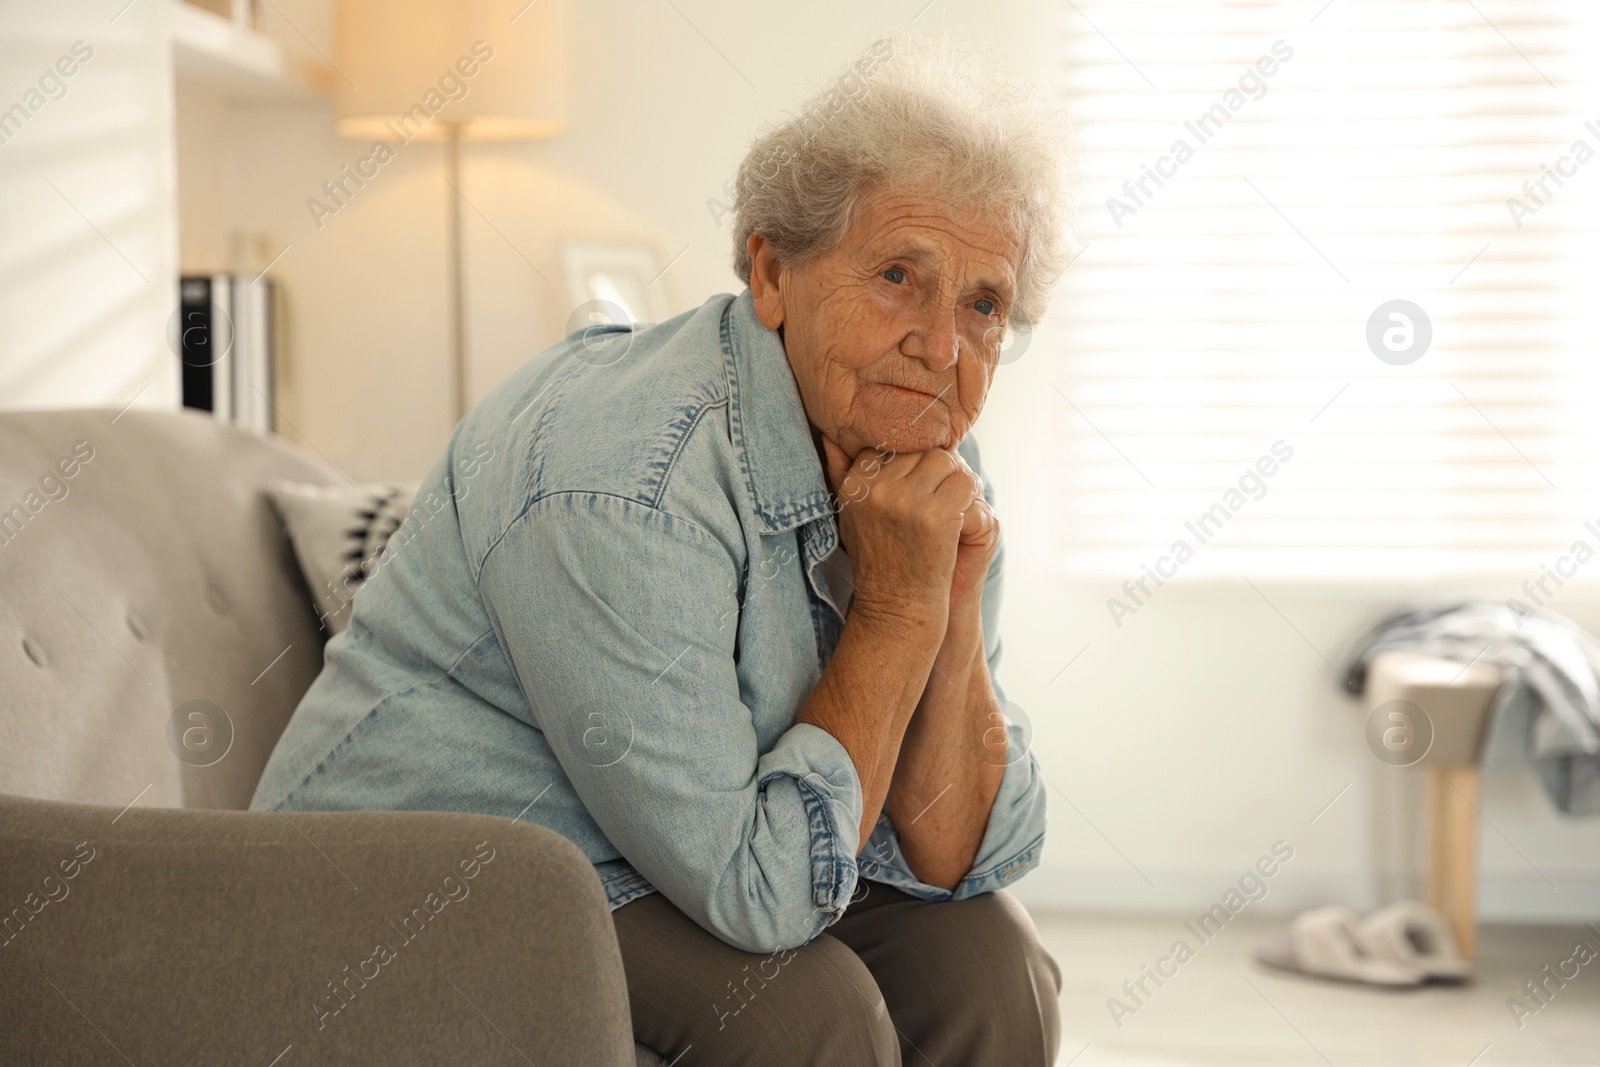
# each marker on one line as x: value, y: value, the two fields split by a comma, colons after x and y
x: 937, y: 343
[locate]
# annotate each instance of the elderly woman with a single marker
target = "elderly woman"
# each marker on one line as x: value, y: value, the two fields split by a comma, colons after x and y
x: 720, y: 605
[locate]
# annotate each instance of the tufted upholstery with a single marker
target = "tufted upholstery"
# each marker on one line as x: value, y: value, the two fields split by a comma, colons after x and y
x: 160, y: 577
x: 155, y: 575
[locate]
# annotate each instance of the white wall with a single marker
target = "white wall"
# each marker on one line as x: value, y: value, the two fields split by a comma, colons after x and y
x: 87, y: 222
x: 1206, y: 728
x: 1188, y: 741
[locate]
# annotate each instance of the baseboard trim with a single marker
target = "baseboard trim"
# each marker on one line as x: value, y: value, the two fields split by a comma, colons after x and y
x: 1566, y: 897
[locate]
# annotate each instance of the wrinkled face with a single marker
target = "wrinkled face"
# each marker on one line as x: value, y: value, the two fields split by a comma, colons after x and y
x: 894, y: 335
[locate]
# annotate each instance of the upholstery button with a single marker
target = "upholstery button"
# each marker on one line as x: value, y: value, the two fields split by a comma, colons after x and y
x: 137, y: 627
x: 35, y: 652
x: 218, y: 602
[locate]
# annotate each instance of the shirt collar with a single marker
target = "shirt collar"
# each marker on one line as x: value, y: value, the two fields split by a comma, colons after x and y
x: 769, y: 425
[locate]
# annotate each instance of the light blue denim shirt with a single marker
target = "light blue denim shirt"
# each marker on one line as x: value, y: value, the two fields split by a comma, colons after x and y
x: 602, y: 615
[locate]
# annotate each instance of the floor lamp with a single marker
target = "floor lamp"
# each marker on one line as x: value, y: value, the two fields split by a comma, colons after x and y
x: 451, y: 71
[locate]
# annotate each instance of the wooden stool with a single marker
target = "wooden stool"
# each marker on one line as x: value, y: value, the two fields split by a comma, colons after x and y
x: 1455, y: 701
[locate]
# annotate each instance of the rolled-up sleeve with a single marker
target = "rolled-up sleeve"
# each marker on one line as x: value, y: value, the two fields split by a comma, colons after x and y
x: 1014, y: 838
x: 1011, y: 844
x: 631, y: 676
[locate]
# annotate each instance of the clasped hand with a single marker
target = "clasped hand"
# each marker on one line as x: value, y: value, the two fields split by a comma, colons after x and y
x: 919, y: 534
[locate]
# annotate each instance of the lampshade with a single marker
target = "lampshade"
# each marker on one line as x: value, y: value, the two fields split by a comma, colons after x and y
x: 492, y: 69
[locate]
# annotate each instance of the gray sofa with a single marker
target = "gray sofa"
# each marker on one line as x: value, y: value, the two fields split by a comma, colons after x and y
x: 147, y: 589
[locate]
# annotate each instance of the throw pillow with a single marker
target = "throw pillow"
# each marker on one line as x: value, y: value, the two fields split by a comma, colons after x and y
x: 339, y: 533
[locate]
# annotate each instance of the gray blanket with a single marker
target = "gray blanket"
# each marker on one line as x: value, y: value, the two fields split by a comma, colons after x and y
x: 1548, y: 711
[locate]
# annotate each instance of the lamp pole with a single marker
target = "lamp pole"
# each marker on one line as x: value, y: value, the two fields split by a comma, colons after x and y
x: 458, y: 313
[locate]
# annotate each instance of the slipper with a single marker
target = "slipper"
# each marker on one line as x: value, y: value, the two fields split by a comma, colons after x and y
x: 1411, y: 932
x: 1326, y: 943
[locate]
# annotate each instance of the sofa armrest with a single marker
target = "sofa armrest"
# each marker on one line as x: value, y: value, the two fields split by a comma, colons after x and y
x: 188, y: 936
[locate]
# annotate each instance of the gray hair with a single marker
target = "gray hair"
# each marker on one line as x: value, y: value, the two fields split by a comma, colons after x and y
x: 912, y: 113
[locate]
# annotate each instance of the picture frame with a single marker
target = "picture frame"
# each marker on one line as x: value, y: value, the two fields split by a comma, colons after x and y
x: 624, y: 275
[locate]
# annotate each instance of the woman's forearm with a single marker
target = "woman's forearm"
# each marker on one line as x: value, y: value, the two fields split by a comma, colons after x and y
x: 951, y: 761
x: 869, y: 693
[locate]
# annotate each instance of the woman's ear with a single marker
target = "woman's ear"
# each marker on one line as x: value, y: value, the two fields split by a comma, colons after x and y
x: 766, y: 282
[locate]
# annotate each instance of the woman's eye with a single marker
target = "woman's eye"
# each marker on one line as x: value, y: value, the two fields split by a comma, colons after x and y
x: 985, y: 307
x: 896, y: 275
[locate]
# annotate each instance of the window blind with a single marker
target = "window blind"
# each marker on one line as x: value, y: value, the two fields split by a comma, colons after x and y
x: 1259, y: 183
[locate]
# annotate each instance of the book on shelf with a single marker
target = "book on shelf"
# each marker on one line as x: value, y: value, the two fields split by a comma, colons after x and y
x: 225, y: 340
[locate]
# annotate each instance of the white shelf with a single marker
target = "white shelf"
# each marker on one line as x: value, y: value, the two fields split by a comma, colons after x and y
x: 216, y: 53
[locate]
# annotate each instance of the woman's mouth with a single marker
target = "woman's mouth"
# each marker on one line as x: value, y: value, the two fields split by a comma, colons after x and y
x: 910, y: 392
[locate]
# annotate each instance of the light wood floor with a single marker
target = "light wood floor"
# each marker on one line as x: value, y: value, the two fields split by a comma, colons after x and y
x: 1222, y: 1009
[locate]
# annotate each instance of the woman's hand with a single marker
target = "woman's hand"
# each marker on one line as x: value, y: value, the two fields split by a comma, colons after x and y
x: 907, y: 521
x: 980, y: 539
